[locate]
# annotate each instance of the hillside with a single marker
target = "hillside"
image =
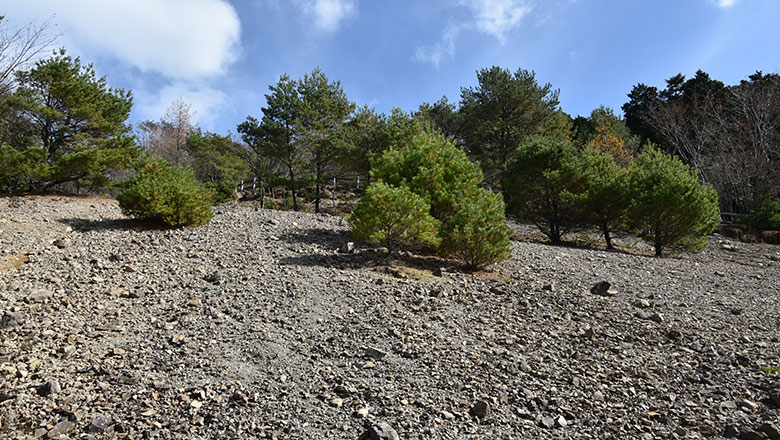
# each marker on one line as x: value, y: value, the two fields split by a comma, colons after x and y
x: 256, y: 326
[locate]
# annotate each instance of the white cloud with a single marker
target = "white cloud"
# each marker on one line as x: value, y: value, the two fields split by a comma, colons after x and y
x: 181, y: 46
x: 328, y: 15
x: 176, y: 38
x: 497, y: 17
x: 446, y: 47
x: 725, y: 3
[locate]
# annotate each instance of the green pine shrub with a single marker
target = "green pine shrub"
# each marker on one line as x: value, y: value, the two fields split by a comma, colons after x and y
x: 543, y: 185
x: 767, y: 215
x: 394, y: 217
x: 162, y: 191
x: 431, y: 171
x: 605, y: 199
x: 669, y: 204
x: 478, y: 234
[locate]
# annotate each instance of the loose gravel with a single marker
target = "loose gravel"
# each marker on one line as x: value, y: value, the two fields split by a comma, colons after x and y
x: 259, y: 326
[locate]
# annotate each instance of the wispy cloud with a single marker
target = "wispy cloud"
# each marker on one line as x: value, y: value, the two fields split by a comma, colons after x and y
x: 493, y: 17
x: 329, y: 15
x: 445, y: 48
x: 497, y: 17
x: 725, y: 3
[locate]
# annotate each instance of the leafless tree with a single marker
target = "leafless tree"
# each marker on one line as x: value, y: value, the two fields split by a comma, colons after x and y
x: 19, y: 46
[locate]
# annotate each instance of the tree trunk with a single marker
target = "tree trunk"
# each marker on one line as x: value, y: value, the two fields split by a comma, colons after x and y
x: 318, y: 189
x: 292, y: 188
x: 607, y: 237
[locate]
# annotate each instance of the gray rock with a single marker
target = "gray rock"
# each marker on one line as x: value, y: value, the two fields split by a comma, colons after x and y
x: 481, y: 409
x: 561, y: 421
x: 61, y: 428
x: 99, y: 424
x: 48, y: 388
x: 749, y: 434
x: 62, y: 243
x: 347, y: 248
x: 38, y: 295
x: 374, y: 353
x: 10, y: 320
x: 381, y: 431
x: 771, y: 431
x: 673, y: 335
x: 602, y: 288
x: 547, y: 422
x: 650, y: 316
x: 641, y: 304
x: 731, y: 431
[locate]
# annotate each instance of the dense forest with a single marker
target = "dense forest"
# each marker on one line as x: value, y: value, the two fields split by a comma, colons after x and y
x: 62, y: 128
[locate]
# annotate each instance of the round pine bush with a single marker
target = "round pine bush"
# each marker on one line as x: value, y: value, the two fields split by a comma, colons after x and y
x: 394, y: 217
x: 478, y: 235
x: 669, y: 203
x: 164, y: 192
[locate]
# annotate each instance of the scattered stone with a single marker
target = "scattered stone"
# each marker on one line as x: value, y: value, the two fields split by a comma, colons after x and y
x: 11, y: 320
x: 99, y: 424
x: 641, y: 304
x: 337, y: 402
x: 48, y: 388
x: 673, y: 335
x: 177, y: 339
x: 650, y: 316
x: 771, y: 431
x: 38, y: 295
x: 548, y: 422
x: 603, y: 288
x: 749, y: 434
x: 731, y: 431
x: 215, y: 278
x: 380, y: 431
x: 448, y: 415
x: 481, y: 409
x: 561, y: 422
x: 347, y: 248
x: 548, y: 287
x: 61, y: 428
x: 62, y: 243
x: 373, y: 353
x: 362, y: 413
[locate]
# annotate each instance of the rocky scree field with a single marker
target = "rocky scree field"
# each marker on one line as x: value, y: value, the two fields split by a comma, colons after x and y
x: 257, y: 326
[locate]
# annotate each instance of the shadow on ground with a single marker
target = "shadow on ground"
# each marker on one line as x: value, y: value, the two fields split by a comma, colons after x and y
x: 121, y: 224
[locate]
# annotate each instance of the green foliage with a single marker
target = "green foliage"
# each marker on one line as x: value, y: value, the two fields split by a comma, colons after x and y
x: 767, y: 216
x: 542, y: 185
x: 394, y: 217
x: 669, y: 204
x: 770, y: 369
x: 66, y: 125
x: 478, y: 235
x: 606, y: 198
x: 502, y: 111
x: 433, y: 168
x: 321, y: 124
x: 471, y: 221
x: 216, y: 163
x: 171, y: 194
x: 367, y: 136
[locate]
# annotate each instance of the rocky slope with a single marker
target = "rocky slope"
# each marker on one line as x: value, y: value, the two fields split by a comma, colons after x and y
x: 256, y: 326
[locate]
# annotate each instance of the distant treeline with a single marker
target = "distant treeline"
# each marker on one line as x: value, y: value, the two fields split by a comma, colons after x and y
x: 63, y: 128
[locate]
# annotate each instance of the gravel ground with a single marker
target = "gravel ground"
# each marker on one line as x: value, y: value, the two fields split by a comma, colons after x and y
x: 257, y: 326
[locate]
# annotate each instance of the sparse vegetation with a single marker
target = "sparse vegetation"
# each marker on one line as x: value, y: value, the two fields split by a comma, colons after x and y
x: 165, y: 192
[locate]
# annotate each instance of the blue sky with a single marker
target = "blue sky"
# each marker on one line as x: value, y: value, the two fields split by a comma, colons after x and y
x: 221, y: 55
